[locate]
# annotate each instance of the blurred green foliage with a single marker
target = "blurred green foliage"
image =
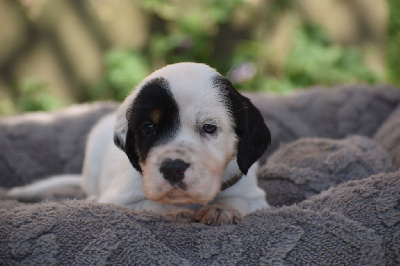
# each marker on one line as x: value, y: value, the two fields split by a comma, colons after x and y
x: 393, y: 42
x: 125, y: 69
x: 32, y: 95
x: 313, y: 59
x: 203, y: 31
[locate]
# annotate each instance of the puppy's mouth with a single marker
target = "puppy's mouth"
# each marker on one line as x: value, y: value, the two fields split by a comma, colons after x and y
x: 178, y: 195
x: 165, y: 184
x: 179, y: 186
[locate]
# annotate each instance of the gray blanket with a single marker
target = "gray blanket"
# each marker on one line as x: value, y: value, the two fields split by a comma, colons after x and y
x: 336, y: 196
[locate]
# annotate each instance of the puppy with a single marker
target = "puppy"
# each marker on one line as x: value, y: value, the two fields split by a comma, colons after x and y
x: 184, y: 144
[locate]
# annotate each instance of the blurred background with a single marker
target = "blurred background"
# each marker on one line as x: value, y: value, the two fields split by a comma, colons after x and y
x: 54, y: 53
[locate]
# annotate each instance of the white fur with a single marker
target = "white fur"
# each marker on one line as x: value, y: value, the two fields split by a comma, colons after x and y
x: 108, y: 176
x: 36, y: 189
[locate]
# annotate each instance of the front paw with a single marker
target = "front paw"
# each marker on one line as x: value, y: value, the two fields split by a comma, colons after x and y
x: 218, y: 215
x: 181, y: 216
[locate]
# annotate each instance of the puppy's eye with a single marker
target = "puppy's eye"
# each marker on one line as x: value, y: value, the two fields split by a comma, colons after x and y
x: 149, y: 129
x: 209, y: 128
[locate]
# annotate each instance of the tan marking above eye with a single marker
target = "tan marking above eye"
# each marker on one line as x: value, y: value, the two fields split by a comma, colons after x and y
x: 155, y: 116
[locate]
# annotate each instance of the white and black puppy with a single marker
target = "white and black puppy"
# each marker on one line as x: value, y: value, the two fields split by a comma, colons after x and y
x: 185, y: 136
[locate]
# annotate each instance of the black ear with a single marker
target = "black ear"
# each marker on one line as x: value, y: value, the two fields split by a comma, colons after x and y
x: 123, y: 135
x: 254, y: 136
x: 130, y: 150
x: 119, y: 142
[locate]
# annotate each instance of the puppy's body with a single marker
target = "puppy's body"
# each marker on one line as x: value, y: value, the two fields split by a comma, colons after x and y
x: 245, y: 196
x: 185, y: 136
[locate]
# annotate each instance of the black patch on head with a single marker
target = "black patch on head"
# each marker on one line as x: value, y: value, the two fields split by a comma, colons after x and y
x: 254, y: 136
x: 154, y: 96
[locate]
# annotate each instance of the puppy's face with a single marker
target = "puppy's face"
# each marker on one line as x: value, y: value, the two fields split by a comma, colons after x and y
x: 186, y: 129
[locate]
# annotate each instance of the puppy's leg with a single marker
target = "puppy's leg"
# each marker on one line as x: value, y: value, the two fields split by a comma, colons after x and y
x: 127, y: 192
x: 39, y: 188
x: 235, y: 202
x: 176, y: 214
x: 181, y: 215
x: 218, y: 214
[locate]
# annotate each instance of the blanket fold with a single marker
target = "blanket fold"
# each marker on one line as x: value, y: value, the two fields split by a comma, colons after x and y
x: 354, y: 223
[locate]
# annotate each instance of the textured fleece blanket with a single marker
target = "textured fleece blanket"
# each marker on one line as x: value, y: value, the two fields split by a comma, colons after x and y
x: 331, y: 173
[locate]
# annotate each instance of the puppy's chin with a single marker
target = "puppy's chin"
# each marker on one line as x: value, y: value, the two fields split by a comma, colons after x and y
x: 201, y: 182
x: 156, y: 188
x: 174, y: 195
x: 177, y: 196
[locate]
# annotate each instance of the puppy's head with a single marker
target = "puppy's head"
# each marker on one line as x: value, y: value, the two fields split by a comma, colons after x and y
x: 187, y: 130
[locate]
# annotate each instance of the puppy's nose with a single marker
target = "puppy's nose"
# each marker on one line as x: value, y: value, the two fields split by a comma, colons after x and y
x: 173, y: 170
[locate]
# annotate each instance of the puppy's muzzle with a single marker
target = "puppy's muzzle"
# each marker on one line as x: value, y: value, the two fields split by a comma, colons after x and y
x: 174, y: 170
